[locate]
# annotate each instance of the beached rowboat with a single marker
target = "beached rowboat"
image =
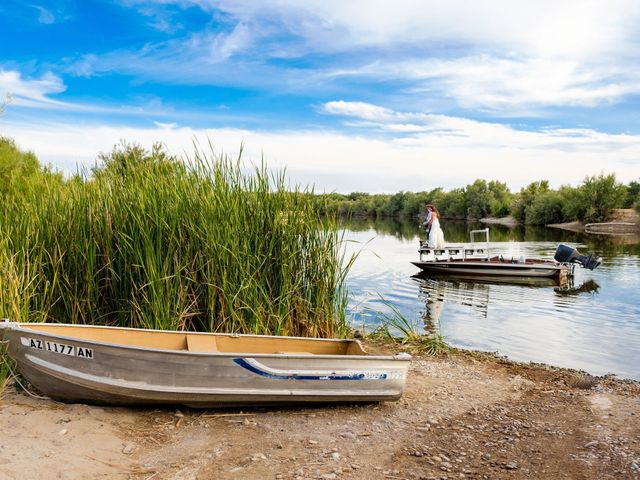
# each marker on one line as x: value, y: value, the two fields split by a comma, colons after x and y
x: 125, y: 366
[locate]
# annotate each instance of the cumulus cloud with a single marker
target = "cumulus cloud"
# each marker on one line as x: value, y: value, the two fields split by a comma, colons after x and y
x: 457, y: 153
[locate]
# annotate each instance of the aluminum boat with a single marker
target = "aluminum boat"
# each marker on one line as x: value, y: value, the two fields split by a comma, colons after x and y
x: 126, y: 366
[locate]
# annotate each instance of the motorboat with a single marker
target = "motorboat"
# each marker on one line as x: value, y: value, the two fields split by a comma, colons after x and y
x: 476, y: 260
x: 128, y: 366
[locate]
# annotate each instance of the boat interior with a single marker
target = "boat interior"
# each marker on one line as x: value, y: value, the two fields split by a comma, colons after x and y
x: 201, y: 342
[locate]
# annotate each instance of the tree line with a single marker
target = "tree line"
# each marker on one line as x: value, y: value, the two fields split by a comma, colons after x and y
x: 536, y: 204
x: 594, y: 200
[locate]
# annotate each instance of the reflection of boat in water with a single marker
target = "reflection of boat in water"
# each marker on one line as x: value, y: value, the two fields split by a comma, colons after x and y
x: 568, y: 289
x: 475, y: 260
x: 477, y: 293
x: 497, y: 279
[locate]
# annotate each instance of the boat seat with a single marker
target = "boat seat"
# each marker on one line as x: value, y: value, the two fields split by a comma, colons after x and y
x: 201, y: 343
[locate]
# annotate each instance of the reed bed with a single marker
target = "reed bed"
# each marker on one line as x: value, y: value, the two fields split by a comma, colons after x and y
x: 148, y: 240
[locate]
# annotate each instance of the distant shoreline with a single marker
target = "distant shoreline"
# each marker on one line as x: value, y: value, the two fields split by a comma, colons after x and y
x: 624, y: 221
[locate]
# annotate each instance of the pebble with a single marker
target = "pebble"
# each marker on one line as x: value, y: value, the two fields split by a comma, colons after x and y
x: 486, y: 456
x: 511, y: 466
x: 63, y: 432
x: 329, y: 476
x: 335, y: 456
x: 128, y: 448
x: 313, y: 442
x: 349, y: 435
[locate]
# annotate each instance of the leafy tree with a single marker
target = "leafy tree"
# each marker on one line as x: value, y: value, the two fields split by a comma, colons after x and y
x: 545, y: 209
x: 633, y: 194
x: 453, y: 204
x: 478, y: 199
x: 20, y: 171
x: 526, y: 197
x: 601, y: 194
x: 501, y: 197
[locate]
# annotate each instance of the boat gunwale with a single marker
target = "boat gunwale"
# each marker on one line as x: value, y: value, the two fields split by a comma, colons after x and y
x: 17, y: 327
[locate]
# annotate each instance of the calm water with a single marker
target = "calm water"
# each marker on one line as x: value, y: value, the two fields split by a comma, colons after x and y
x: 592, y: 324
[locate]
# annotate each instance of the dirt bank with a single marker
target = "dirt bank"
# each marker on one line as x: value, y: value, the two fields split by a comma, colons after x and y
x: 466, y: 416
x: 624, y: 221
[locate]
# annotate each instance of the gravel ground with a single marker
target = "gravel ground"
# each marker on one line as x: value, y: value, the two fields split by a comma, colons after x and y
x: 462, y: 416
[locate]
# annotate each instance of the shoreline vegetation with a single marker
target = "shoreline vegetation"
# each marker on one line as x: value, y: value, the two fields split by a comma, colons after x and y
x: 148, y: 240
x: 596, y: 200
x: 132, y: 241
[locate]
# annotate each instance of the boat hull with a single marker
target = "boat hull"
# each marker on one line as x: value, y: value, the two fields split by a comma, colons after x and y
x: 493, y: 269
x: 80, y: 370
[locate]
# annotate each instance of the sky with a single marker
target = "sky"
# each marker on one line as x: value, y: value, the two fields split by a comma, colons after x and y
x: 347, y: 95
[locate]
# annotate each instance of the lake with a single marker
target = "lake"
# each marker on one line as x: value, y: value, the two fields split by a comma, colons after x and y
x: 591, y: 324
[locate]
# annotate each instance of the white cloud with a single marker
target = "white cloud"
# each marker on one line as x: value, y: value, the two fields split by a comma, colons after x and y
x: 542, y: 28
x: 166, y: 126
x: 30, y: 92
x: 451, y: 152
x: 503, y: 57
x: 45, y: 16
x: 224, y: 46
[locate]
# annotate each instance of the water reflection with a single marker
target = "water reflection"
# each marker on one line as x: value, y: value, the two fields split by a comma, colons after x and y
x: 591, y: 323
x: 475, y: 292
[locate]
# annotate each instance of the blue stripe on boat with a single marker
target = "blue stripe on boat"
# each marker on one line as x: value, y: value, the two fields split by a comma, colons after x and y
x: 355, y: 376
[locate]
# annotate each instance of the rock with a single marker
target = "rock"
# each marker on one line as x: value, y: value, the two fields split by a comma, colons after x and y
x: 511, y: 466
x: 486, y: 456
x: 62, y: 432
x: 258, y: 456
x: 593, y: 443
x: 348, y: 435
x: 335, y: 456
x: 313, y: 442
x: 329, y: 476
x: 179, y: 414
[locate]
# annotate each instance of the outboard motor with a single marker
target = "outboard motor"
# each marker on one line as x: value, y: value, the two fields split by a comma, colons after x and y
x: 567, y: 254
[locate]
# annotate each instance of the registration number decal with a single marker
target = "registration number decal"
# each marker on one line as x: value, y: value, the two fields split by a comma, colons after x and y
x: 54, y: 347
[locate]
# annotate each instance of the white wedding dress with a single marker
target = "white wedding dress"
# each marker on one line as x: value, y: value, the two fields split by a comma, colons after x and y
x: 436, y: 237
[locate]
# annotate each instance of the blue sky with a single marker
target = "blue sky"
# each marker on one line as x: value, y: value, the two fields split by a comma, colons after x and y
x: 359, y: 95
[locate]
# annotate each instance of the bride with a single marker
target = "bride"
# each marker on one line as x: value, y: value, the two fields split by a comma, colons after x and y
x: 435, y: 237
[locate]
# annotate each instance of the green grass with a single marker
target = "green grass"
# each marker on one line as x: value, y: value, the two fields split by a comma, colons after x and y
x: 149, y: 241
x: 397, y: 329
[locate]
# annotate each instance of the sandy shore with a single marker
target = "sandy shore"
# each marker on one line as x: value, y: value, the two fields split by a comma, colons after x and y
x: 464, y: 416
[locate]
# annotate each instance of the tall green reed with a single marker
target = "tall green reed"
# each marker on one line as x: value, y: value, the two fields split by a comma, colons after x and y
x: 147, y: 240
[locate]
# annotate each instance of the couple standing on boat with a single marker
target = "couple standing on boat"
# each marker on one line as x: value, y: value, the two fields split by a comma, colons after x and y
x: 435, y: 237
